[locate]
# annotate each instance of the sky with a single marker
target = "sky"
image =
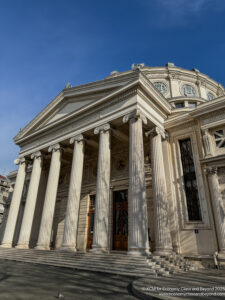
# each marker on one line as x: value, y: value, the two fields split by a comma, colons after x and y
x: 45, y: 44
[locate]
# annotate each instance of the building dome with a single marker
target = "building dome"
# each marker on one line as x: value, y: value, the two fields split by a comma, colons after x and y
x: 184, y: 89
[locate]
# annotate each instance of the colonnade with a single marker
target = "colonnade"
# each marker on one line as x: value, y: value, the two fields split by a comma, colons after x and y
x: 137, y: 207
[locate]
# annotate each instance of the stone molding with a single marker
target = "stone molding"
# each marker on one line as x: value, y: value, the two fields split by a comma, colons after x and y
x: 211, y: 170
x: 156, y: 131
x: 36, y: 154
x: 102, y: 128
x: 55, y: 147
x: 78, y: 138
x: 20, y: 160
x: 136, y: 114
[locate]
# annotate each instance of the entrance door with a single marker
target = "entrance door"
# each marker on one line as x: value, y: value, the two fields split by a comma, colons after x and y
x: 91, y: 217
x: 120, y: 220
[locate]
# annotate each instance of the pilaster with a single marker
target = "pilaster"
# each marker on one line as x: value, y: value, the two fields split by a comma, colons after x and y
x: 218, y: 207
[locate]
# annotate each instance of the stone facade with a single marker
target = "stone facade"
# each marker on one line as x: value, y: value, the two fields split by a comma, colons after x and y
x: 157, y: 134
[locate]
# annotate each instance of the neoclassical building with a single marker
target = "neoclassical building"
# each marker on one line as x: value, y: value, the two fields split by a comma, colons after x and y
x: 134, y: 162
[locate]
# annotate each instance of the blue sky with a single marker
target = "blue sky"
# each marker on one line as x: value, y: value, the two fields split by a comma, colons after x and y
x: 45, y: 44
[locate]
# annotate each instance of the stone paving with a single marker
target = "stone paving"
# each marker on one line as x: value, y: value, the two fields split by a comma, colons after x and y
x: 204, y: 284
x: 30, y: 282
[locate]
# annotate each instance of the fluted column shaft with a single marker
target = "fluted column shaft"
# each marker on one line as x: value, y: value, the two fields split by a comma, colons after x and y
x: 15, y: 204
x: 28, y: 215
x: 163, y: 243
x: 73, y: 204
x: 50, y: 199
x: 101, y: 221
x: 218, y: 208
x: 137, y: 207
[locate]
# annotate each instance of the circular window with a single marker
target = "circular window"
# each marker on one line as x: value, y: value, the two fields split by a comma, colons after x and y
x: 210, y: 96
x: 188, y: 90
x: 161, y: 87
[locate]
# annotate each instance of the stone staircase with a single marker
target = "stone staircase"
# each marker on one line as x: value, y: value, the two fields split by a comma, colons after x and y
x: 113, y: 263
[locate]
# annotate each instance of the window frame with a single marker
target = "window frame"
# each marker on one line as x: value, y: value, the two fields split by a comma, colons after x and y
x: 184, y: 221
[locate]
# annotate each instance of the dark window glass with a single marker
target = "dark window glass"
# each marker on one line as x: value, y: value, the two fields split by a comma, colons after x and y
x: 179, y: 104
x: 92, y: 213
x: 189, y: 176
x: 192, y: 104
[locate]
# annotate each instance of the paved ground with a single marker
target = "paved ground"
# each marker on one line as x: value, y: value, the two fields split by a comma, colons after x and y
x: 202, y: 284
x: 30, y: 282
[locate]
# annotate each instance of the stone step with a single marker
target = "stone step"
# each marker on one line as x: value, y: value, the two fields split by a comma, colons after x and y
x: 105, y: 269
x: 104, y: 262
x: 81, y: 262
x: 75, y: 254
x: 83, y: 259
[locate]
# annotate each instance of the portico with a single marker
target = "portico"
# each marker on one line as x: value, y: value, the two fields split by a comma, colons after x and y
x: 131, y: 163
x: 98, y: 141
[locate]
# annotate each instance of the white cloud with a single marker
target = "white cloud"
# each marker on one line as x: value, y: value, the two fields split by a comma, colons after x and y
x: 180, y: 12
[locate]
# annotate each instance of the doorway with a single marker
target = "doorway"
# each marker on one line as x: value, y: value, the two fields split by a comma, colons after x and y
x: 120, y: 220
x: 91, y: 217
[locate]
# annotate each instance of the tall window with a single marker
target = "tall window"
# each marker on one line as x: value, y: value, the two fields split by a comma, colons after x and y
x: 190, y: 183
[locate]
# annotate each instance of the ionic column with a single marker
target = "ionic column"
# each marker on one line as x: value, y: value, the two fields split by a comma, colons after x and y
x: 28, y: 215
x: 137, y: 207
x: 50, y: 199
x: 218, y: 207
x: 163, y: 243
x: 15, y: 204
x: 73, y: 204
x: 101, y: 221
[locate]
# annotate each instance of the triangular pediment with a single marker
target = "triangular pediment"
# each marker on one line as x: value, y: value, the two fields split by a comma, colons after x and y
x: 66, y: 109
x: 72, y: 102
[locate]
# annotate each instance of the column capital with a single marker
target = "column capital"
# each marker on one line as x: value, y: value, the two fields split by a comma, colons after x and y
x: 136, y: 114
x: 20, y: 160
x: 78, y: 138
x: 55, y: 147
x: 156, y: 131
x: 210, y: 170
x: 36, y: 154
x: 104, y: 127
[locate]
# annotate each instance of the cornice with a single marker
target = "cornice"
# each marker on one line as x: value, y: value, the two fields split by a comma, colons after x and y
x: 214, y: 159
x: 120, y: 93
x: 115, y: 96
x: 151, y: 90
x: 178, y: 120
x: 208, y: 107
x: 76, y: 91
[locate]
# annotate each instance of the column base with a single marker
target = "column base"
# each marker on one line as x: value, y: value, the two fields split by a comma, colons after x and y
x: 42, y: 247
x: 221, y: 254
x: 139, y: 251
x: 6, y: 245
x: 22, y: 246
x: 99, y: 250
x: 163, y: 252
x: 68, y: 249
